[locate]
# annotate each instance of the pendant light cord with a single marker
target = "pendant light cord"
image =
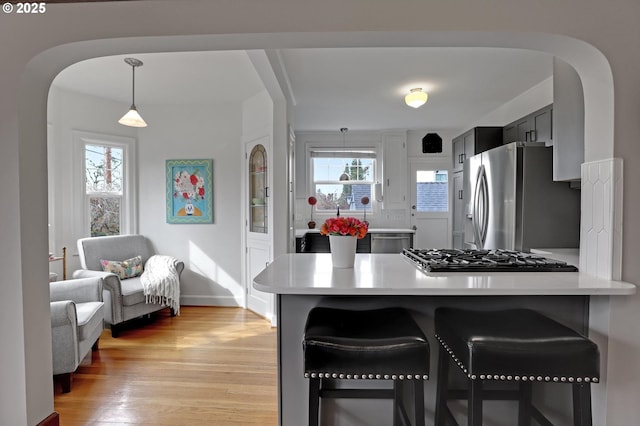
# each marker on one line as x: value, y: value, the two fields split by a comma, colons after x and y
x: 133, y: 87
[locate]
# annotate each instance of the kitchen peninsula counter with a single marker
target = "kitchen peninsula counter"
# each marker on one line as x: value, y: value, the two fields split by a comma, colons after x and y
x: 392, y: 274
x: 303, y: 281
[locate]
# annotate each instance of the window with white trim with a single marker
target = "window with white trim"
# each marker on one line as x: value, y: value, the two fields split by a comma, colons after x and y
x: 343, y: 178
x: 104, y: 183
x: 107, y: 190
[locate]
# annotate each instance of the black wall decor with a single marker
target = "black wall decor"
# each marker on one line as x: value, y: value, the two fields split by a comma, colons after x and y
x: 431, y: 143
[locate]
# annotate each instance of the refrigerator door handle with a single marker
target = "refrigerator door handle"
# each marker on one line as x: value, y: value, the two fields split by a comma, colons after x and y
x: 476, y: 211
x: 480, y: 208
x: 484, y: 224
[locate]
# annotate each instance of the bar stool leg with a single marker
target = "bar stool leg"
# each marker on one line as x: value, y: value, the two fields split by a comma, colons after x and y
x: 314, y: 401
x: 397, y: 403
x: 475, y: 403
x: 442, y: 388
x: 418, y: 402
x: 524, y: 404
x: 582, y: 404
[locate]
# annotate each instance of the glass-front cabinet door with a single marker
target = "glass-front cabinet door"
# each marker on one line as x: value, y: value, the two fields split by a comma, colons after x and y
x: 258, y: 190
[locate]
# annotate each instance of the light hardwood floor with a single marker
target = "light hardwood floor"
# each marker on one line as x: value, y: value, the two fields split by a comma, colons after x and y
x: 208, y: 366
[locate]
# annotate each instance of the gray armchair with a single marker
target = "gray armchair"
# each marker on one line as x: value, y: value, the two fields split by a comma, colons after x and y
x: 124, y: 299
x: 77, y: 320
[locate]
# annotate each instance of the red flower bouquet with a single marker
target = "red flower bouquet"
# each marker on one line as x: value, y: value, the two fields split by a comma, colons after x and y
x: 349, y: 226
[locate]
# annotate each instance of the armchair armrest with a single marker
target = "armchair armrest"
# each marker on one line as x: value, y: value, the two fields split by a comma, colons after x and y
x: 111, y: 294
x: 79, y: 290
x: 64, y: 337
x: 63, y: 312
x: 179, y: 264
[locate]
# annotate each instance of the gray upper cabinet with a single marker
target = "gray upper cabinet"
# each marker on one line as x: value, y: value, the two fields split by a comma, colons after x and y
x: 458, y: 153
x: 542, y: 125
x: 535, y: 127
x: 474, y: 141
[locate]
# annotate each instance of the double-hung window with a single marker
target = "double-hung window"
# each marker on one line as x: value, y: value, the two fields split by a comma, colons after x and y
x: 104, y: 188
x: 107, y: 187
x: 342, y: 179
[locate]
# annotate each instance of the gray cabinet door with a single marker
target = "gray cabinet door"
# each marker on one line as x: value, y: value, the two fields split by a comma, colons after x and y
x: 458, y: 153
x: 518, y: 131
x: 535, y: 127
x: 542, y: 126
x: 509, y: 133
x: 469, y: 145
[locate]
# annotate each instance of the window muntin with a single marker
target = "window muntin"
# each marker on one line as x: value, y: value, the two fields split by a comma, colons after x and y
x: 432, y: 191
x: 342, y: 178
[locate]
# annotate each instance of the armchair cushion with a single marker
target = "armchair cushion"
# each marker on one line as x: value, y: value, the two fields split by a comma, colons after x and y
x: 90, y: 317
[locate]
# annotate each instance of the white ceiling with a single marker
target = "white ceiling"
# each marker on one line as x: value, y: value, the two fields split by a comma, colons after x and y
x: 358, y: 88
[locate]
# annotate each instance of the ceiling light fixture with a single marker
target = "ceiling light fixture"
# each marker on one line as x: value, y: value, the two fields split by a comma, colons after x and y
x: 416, y: 98
x: 344, y: 176
x: 132, y: 118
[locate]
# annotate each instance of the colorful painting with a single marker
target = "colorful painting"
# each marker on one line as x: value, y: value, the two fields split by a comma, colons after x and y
x: 189, y: 191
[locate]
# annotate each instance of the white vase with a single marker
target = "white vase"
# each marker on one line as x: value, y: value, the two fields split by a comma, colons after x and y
x: 343, y: 250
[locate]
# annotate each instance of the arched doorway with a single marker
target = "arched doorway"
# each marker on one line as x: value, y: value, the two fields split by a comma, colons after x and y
x: 588, y: 61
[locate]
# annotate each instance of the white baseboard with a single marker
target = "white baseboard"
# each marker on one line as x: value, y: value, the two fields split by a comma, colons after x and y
x: 187, y: 300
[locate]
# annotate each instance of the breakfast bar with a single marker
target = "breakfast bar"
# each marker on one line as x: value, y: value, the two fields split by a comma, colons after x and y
x: 304, y: 281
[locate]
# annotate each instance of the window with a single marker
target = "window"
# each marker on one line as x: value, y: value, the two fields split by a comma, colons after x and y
x: 103, y: 188
x: 432, y: 191
x: 342, y: 178
x: 107, y: 189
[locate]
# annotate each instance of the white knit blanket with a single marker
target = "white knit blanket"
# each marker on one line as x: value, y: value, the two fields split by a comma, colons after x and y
x: 161, y: 282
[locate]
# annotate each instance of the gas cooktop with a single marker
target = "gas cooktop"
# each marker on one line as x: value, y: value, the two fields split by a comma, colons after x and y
x: 457, y: 260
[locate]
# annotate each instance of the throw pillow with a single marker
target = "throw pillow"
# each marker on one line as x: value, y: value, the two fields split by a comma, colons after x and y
x: 125, y: 268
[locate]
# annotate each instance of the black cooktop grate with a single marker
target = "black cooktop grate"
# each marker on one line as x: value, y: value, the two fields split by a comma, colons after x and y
x: 457, y: 260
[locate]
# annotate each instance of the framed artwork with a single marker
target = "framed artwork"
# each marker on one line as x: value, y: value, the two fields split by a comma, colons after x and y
x: 189, y: 191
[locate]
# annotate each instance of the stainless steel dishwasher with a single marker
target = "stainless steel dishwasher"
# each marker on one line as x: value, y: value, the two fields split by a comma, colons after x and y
x: 391, y: 242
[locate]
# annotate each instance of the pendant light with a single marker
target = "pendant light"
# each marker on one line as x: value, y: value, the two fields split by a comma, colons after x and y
x: 416, y: 98
x: 344, y: 130
x: 132, y: 118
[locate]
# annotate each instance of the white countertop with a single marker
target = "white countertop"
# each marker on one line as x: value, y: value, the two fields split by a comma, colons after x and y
x: 301, y: 231
x: 392, y: 274
x: 569, y: 255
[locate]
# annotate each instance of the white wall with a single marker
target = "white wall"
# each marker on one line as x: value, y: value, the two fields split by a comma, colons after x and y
x: 68, y: 111
x: 211, y: 252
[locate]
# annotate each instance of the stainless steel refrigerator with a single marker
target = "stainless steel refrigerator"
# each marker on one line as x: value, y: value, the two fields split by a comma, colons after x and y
x: 513, y: 203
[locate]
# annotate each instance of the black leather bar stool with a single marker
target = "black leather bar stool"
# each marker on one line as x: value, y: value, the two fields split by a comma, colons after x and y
x: 517, y: 345
x: 379, y: 344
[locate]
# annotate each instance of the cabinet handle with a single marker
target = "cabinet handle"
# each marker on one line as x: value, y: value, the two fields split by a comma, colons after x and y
x: 266, y: 192
x: 460, y: 194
